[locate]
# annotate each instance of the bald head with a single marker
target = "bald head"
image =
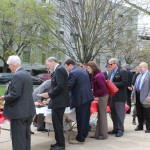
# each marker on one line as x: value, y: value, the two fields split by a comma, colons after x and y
x: 143, y: 66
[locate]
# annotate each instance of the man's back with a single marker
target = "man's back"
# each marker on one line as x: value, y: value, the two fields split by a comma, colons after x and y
x: 18, y: 100
x: 80, y: 87
x: 60, y: 92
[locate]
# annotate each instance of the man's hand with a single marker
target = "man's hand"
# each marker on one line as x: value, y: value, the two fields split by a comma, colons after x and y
x: 45, y: 95
x: 2, y: 98
x: 132, y: 98
x: 148, y: 99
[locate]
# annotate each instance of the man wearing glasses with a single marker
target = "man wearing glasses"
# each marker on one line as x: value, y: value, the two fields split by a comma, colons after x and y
x: 117, y: 102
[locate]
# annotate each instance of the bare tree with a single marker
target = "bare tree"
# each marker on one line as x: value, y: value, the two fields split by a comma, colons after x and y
x: 91, y: 27
x: 138, y: 6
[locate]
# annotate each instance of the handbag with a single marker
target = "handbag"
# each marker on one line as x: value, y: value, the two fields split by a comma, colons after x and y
x: 111, y: 88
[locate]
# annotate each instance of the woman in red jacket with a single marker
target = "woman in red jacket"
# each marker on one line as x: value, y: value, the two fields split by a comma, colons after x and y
x: 100, y: 91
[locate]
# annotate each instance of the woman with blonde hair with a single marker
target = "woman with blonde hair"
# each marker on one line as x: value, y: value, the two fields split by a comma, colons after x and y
x: 100, y: 91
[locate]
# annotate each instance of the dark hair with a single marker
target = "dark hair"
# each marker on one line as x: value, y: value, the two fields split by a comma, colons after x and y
x: 70, y: 61
x: 93, y: 66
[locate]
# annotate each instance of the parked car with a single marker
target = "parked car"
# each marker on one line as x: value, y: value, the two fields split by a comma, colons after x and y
x: 6, y: 77
x: 43, y: 76
x: 36, y: 81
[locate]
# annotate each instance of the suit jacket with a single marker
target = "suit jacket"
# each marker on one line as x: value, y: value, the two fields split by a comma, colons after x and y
x: 79, y: 87
x: 44, y: 87
x: 145, y: 90
x: 18, y: 98
x: 120, y: 80
x: 106, y: 75
x: 60, y: 93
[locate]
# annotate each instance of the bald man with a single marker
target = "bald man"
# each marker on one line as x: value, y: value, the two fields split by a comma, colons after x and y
x: 142, y: 95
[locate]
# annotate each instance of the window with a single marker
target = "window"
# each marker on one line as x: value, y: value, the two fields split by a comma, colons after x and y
x: 120, y: 31
x: 129, y: 33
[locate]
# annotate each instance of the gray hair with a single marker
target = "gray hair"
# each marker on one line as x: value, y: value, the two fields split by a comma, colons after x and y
x: 14, y: 59
x: 52, y: 59
x: 114, y: 60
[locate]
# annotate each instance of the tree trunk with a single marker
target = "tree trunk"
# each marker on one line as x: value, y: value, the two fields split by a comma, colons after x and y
x: 5, y: 67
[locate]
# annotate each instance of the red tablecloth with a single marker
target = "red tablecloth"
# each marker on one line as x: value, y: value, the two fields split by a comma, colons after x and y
x: 2, y: 118
x: 94, y: 107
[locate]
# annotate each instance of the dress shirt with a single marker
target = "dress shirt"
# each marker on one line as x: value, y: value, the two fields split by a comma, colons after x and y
x: 113, y: 74
x: 142, y: 79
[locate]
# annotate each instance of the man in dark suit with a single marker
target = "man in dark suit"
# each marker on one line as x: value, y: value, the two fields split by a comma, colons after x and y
x: 107, y: 72
x: 129, y: 86
x: 81, y: 97
x: 117, y: 102
x: 19, y: 106
x: 59, y: 100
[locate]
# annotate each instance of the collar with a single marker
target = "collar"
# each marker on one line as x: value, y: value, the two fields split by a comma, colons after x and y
x: 17, y: 69
x: 114, y: 71
x: 56, y: 67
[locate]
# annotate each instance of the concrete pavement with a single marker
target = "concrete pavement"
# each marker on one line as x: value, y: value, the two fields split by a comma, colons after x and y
x: 132, y: 140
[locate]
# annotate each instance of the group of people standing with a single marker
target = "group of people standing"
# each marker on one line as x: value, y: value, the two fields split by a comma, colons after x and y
x: 75, y: 87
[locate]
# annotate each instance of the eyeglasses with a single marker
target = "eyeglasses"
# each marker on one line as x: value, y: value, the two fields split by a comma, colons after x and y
x: 111, y: 64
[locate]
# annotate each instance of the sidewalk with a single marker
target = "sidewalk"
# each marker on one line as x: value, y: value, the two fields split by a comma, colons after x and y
x: 130, y: 141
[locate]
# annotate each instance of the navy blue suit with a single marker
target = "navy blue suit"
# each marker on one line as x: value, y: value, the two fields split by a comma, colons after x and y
x: 81, y: 97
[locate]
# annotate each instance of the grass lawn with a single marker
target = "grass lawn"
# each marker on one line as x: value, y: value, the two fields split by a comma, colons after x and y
x: 2, y: 89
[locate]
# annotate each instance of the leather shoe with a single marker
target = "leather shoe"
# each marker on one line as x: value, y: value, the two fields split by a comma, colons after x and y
x: 119, y: 134
x: 57, y: 148
x: 112, y: 132
x: 31, y: 132
x: 42, y: 129
x: 53, y: 145
x: 138, y: 128
x: 147, y: 131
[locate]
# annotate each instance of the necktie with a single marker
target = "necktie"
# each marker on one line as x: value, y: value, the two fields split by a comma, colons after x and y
x: 112, y: 75
x: 139, y: 82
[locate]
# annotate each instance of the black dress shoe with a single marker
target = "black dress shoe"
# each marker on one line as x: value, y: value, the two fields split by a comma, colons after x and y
x: 57, y: 148
x: 119, y: 134
x: 42, y: 129
x: 31, y: 132
x: 147, y: 131
x: 138, y: 128
x: 112, y: 132
x: 53, y: 145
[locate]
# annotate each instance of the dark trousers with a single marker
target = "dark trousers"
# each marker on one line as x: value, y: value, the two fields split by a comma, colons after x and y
x: 57, y: 119
x: 147, y: 117
x: 129, y: 101
x: 117, y: 115
x: 20, y: 132
x: 83, y: 117
x: 140, y: 110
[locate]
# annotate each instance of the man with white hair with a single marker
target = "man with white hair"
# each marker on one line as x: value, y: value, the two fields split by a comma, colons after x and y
x: 141, y: 94
x: 117, y: 103
x: 59, y: 100
x: 19, y: 106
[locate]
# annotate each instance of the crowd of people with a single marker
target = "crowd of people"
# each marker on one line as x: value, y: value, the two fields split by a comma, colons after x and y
x: 76, y: 86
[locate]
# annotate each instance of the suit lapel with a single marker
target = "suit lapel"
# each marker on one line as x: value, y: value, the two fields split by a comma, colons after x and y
x: 145, y: 79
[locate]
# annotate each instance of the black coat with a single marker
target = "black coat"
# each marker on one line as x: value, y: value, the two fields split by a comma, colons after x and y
x: 18, y: 98
x: 60, y: 93
x: 80, y: 87
x: 120, y: 80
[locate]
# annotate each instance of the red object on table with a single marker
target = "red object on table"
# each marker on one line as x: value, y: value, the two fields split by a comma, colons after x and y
x: 94, y: 107
x: 2, y: 118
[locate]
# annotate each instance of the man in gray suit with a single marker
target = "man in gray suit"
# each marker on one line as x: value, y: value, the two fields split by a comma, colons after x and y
x: 142, y: 95
x: 19, y: 106
x: 44, y: 87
